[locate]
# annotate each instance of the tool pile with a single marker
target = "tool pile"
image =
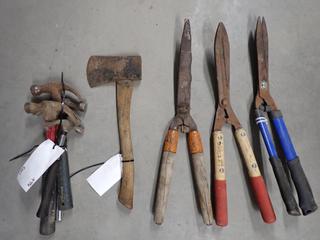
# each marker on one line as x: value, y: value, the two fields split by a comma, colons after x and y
x: 59, y: 111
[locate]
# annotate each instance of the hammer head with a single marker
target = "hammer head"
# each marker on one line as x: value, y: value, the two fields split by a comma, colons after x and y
x: 104, y: 69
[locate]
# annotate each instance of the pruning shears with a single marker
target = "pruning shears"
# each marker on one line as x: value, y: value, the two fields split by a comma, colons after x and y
x: 184, y: 123
x: 265, y: 105
x: 225, y: 115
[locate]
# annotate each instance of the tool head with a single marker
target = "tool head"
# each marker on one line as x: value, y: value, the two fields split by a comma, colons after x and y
x: 183, y: 120
x: 35, y: 90
x: 222, y: 60
x: 105, y: 69
x: 224, y: 113
x: 184, y: 76
x: 263, y: 95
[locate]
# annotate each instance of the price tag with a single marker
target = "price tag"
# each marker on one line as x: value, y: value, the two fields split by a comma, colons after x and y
x: 39, y: 161
x: 107, y: 175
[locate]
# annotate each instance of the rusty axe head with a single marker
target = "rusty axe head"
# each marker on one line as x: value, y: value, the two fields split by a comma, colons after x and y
x: 105, y: 69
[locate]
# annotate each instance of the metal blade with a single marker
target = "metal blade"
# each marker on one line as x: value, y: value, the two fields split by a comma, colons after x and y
x: 262, y: 54
x: 222, y: 60
x: 184, y: 76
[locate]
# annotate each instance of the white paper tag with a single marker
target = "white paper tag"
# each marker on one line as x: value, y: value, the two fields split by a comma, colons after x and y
x: 39, y: 161
x: 107, y: 175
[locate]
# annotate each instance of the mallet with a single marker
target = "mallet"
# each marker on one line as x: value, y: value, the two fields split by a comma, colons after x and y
x: 122, y: 70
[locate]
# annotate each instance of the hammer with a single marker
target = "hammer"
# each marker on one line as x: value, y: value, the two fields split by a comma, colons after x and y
x: 122, y: 70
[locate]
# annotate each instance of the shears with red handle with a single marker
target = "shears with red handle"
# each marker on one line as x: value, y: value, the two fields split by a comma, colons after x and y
x: 225, y: 114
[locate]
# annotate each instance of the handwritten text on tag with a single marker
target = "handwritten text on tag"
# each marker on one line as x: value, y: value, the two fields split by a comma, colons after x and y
x: 39, y: 161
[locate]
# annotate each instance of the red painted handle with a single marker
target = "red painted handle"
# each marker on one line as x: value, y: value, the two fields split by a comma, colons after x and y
x: 221, y: 203
x: 263, y: 200
x: 51, y: 133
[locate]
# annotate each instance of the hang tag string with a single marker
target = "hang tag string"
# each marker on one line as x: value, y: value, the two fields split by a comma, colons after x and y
x: 63, y: 96
x: 22, y: 154
x: 85, y: 168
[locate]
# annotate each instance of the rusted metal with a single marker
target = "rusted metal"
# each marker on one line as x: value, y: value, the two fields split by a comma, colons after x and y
x: 51, y: 111
x: 55, y: 90
x: 105, y: 69
x: 224, y: 112
x: 263, y: 99
x: 183, y: 120
x: 122, y: 70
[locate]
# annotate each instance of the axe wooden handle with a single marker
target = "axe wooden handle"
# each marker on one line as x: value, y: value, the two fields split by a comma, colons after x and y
x: 124, y: 93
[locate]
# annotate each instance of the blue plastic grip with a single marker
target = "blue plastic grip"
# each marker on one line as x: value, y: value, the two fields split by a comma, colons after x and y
x: 263, y: 127
x: 283, y: 135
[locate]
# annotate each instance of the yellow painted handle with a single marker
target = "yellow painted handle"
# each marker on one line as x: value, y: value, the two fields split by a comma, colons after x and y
x: 219, y: 163
x: 250, y: 160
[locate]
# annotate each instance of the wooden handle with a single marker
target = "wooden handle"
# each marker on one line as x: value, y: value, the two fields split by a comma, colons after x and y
x: 257, y: 182
x: 200, y: 176
x: 124, y: 93
x: 166, y: 167
x: 220, y: 185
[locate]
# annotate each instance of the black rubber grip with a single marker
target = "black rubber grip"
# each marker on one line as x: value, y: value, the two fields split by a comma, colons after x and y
x: 284, y: 186
x: 306, y: 199
x: 65, y: 200
x: 48, y: 222
x: 47, y: 188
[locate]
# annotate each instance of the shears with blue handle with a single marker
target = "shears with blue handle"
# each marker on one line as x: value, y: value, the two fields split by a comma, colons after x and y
x: 265, y: 105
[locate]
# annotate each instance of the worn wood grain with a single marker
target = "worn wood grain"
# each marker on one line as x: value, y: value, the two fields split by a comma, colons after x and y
x: 165, y: 175
x: 202, y: 187
x: 248, y: 155
x: 124, y: 93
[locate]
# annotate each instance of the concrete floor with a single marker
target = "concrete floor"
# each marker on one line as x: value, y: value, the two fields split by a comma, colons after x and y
x: 39, y: 39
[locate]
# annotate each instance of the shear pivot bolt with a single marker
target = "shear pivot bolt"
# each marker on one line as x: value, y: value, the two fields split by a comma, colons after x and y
x: 263, y: 84
x: 224, y: 102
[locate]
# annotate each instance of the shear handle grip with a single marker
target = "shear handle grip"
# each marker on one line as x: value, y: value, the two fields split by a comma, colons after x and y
x: 263, y: 200
x: 306, y: 199
x: 200, y: 176
x: 220, y: 185
x: 165, y: 174
x: 305, y: 195
x: 284, y: 186
x: 257, y: 183
x: 281, y: 177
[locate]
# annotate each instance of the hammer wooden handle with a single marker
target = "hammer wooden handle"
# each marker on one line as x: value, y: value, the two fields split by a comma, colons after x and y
x: 124, y: 93
x: 220, y: 184
x: 200, y: 173
x: 165, y: 174
x: 257, y: 182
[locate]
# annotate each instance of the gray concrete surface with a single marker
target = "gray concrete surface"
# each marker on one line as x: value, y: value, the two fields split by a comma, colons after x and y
x: 39, y: 39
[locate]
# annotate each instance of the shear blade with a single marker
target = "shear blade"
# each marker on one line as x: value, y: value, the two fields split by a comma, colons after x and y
x: 262, y: 49
x: 222, y: 58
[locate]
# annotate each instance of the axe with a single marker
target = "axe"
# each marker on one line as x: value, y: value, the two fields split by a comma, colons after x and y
x: 122, y: 70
